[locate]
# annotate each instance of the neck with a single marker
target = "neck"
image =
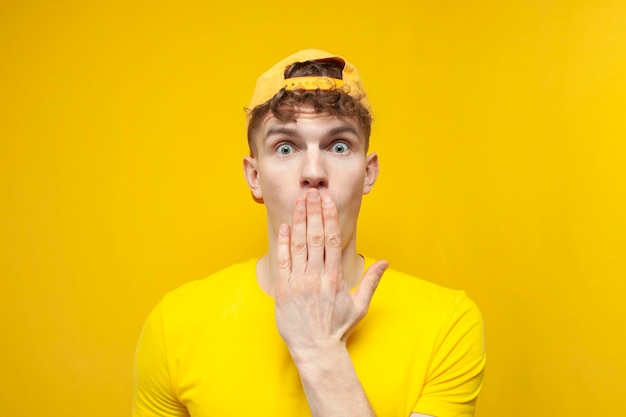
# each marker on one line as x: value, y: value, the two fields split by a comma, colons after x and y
x: 267, y: 269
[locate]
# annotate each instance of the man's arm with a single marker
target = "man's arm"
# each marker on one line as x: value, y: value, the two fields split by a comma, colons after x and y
x: 315, y: 310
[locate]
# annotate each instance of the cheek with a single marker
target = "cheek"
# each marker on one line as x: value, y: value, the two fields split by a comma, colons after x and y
x: 271, y: 181
x: 279, y: 197
x: 351, y: 183
x: 348, y: 198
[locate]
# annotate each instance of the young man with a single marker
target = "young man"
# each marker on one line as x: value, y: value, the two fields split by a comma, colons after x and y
x: 299, y: 331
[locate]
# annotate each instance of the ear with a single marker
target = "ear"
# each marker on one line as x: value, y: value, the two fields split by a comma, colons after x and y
x: 371, y: 172
x: 251, y: 173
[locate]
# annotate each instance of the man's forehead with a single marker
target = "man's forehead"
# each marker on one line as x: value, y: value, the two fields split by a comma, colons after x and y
x: 322, y: 122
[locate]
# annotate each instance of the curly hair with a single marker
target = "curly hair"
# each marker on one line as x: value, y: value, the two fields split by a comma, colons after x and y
x: 286, y: 104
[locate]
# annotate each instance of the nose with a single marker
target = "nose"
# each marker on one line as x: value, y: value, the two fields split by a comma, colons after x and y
x: 314, y: 173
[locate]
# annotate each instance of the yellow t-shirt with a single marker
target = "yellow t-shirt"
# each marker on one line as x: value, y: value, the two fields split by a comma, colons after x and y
x: 211, y: 348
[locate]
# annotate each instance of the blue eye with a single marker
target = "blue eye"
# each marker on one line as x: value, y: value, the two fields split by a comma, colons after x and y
x: 340, y: 147
x: 284, y: 149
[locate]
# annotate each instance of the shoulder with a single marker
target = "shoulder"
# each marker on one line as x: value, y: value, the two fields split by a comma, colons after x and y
x: 235, y: 275
x: 210, y: 296
x: 423, y: 304
x: 410, y: 290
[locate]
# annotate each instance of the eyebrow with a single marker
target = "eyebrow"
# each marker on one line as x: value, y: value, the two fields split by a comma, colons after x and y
x: 343, y: 129
x: 281, y: 130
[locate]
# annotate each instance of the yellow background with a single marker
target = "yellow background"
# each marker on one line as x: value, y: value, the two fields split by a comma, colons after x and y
x: 500, y: 128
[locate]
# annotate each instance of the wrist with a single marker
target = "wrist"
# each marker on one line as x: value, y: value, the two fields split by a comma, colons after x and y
x: 331, y: 384
x: 322, y: 360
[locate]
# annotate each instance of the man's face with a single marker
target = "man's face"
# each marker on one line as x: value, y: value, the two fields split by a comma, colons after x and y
x: 317, y: 150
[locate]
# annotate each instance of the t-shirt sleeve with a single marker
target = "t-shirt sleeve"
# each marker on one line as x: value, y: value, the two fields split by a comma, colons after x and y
x: 456, y: 370
x: 153, y: 389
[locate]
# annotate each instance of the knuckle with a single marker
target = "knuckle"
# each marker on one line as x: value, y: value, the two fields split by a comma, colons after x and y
x: 333, y: 241
x: 284, y: 263
x: 330, y: 213
x: 281, y: 294
x: 335, y: 282
x: 316, y: 239
x: 299, y: 246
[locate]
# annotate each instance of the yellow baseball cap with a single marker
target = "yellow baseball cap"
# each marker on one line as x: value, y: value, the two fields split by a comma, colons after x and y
x: 270, y: 82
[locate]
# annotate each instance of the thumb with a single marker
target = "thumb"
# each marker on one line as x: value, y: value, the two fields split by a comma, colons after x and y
x: 365, y: 291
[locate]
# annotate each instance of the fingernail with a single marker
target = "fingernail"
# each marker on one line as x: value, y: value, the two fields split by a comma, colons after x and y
x: 314, y: 194
x: 284, y: 229
x: 327, y: 201
x: 301, y: 203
